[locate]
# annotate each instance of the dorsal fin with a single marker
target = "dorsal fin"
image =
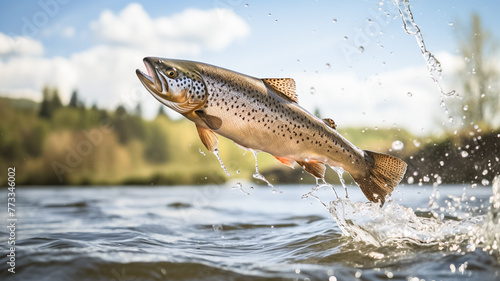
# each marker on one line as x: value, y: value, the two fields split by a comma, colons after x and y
x: 283, y: 86
x: 330, y: 123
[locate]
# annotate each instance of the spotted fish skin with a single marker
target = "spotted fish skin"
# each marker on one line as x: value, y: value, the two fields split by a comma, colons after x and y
x: 263, y: 115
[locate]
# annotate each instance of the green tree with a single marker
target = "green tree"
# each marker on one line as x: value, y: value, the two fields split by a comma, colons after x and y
x: 138, y: 110
x: 74, y: 102
x: 156, y: 150
x: 161, y: 111
x: 51, y: 102
x: 45, y: 110
x: 479, y: 99
x: 56, y: 102
x: 122, y: 129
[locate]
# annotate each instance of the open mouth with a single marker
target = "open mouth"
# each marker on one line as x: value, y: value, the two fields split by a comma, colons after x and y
x: 151, y: 80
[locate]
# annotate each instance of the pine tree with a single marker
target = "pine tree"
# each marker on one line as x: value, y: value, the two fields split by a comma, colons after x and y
x: 161, y: 111
x: 45, y: 111
x: 73, y: 102
x: 56, y: 100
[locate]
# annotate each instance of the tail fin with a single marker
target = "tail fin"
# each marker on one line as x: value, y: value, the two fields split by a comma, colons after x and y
x: 386, y: 172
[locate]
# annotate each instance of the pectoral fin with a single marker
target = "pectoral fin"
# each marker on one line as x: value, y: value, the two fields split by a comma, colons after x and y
x: 208, y: 138
x: 213, y: 122
x: 314, y: 168
x: 289, y: 162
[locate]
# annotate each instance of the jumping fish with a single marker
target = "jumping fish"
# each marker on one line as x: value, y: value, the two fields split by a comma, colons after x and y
x: 264, y: 115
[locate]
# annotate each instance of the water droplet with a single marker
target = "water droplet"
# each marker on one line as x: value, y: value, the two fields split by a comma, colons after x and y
x: 485, y: 182
x: 441, y: 163
x: 345, y: 37
x: 409, y: 94
x: 466, y: 107
x: 416, y: 143
x: 201, y: 151
x: 361, y: 49
x: 485, y: 172
x: 269, y: 14
x: 217, y: 227
x: 313, y: 91
x: 246, y: 5
x: 238, y: 171
x: 216, y: 152
x: 411, y: 180
x: 328, y: 65
x: 450, y: 23
x: 358, y: 273
x: 397, y: 145
x: 334, y: 20
x: 258, y: 175
x: 426, y: 179
x: 464, y: 153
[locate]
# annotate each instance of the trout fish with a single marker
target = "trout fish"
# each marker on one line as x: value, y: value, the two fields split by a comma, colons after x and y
x: 264, y: 115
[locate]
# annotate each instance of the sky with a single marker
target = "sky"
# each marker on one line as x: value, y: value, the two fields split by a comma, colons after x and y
x: 352, y: 60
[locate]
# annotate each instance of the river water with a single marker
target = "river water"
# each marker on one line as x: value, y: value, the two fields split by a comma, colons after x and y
x: 250, y: 233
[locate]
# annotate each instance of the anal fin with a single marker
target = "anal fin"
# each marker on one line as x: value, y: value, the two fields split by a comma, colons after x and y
x: 314, y: 168
x: 208, y: 138
x: 287, y: 161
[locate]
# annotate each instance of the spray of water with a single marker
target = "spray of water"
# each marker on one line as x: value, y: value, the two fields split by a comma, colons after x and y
x: 488, y: 235
x: 216, y: 153
x: 257, y: 175
x: 433, y: 65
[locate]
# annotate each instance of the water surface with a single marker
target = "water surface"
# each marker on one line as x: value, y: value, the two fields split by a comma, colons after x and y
x: 222, y: 233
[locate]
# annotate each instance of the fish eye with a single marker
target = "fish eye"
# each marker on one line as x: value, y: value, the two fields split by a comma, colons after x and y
x: 171, y: 72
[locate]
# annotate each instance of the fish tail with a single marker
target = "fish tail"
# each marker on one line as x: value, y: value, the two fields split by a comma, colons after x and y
x: 384, y: 175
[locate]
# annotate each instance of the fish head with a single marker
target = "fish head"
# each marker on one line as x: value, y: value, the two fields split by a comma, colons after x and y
x: 175, y: 83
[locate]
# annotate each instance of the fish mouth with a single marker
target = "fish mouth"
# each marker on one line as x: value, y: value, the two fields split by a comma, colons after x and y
x: 151, y: 80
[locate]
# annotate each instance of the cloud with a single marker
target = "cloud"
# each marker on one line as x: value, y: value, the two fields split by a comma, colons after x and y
x: 185, y: 33
x: 19, y: 46
x: 106, y: 73
x: 406, y: 97
x: 69, y: 31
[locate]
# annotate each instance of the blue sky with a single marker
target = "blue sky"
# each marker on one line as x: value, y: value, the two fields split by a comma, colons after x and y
x: 95, y: 46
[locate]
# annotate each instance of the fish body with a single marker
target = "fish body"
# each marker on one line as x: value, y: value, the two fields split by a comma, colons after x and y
x: 264, y: 115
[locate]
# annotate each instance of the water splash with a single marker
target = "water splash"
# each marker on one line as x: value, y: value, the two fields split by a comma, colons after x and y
x: 216, y: 153
x: 239, y: 186
x: 340, y: 172
x: 257, y: 175
x: 320, y: 182
x: 488, y: 235
x: 369, y: 223
x: 433, y: 65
